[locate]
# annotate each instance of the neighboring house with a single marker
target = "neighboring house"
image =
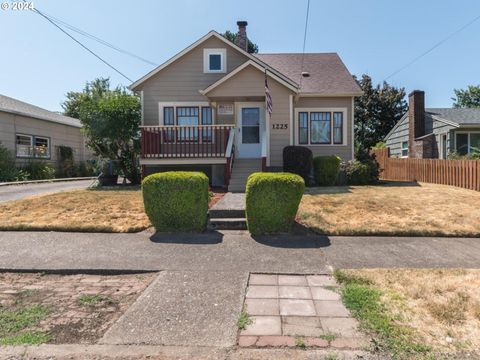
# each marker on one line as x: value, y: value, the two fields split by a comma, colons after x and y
x: 33, y: 133
x: 205, y: 109
x: 434, y: 133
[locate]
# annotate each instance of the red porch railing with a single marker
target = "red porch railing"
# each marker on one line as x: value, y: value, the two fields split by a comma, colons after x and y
x: 202, y: 141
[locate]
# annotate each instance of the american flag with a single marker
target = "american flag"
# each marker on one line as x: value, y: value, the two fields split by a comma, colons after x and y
x: 268, y: 96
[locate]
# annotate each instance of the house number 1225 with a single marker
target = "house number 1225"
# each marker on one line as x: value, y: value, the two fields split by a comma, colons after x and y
x: 279, y: 126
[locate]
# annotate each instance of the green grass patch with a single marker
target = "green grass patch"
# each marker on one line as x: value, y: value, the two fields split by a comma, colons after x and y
x: 364, y: 301
x: 243, y: 320
x: 88, y: 299
x: 328, y: 337
x: 14, y: 325
x: 300, y: 342
x: 26, y: 338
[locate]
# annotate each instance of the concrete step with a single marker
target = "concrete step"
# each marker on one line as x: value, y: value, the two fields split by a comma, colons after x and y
x: 228, y: 224
x: 226, y: 213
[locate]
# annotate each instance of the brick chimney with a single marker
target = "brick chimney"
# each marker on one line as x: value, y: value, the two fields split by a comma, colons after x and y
x: 241, y: 40
x: 416, y: 121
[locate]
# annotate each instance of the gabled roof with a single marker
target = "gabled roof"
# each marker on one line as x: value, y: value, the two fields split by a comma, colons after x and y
x: 14, y: 106
x: 328, y: 74
x: 198, y: 42
x: 239, y: 69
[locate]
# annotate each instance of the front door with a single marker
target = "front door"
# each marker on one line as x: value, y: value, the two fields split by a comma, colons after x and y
x: 250, y: 127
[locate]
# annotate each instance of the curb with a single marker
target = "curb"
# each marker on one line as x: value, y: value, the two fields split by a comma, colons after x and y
x: 46, y: 181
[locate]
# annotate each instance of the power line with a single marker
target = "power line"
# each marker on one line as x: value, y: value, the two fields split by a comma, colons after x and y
x: 304, y: 41
x: 83, y: 46
x: 433, y: 47
x: 99, y: 40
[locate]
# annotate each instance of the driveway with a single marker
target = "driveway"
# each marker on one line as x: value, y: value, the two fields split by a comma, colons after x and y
x: 15, y: 192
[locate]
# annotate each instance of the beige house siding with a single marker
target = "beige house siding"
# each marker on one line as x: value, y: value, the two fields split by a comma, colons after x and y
x: 248, y: 85
x: 59, y: 134
x: 181, y: 80
x: 344, y: 151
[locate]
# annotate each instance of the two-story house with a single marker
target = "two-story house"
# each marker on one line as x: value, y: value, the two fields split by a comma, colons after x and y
x: 205, y: 109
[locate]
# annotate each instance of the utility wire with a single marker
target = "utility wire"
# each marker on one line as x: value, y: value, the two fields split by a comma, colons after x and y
x: 101, y: 41
x: 433, y: 47
x: 83, y: 46
x: 304, y: 41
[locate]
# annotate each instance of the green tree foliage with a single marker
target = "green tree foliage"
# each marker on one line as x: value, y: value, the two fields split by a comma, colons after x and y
x: 468, y: 98
x: 251, y: 47
x: 376, y: 113
x: 111, y: 120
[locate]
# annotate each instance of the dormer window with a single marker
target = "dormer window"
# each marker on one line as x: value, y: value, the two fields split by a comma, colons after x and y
x: 214, y: 60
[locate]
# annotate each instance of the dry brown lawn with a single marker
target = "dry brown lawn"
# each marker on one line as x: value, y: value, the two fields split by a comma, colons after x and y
x: 82, y: 210
x: 392, y: 209
x: 442, y: 306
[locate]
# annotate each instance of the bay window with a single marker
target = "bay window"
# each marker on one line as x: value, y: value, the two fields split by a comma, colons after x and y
x: 320, y: 127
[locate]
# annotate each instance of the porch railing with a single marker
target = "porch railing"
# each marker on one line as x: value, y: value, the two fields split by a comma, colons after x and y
x: 201, y: 141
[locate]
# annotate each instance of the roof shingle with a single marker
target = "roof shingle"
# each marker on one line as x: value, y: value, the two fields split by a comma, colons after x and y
x: 14, y: 106
x: 328, y: 74
x: 470, y: 116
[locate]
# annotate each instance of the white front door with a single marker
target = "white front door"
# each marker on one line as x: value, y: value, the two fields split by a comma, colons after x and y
x: 250, y: 128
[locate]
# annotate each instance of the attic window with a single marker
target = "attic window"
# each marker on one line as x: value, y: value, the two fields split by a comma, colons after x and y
x: 214, y: 60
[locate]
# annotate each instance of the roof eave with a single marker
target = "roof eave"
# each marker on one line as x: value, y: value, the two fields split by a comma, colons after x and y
x: 38, y: 117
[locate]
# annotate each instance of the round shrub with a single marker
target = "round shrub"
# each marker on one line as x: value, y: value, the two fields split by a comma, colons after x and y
x: 298, y: 160
x: 272, y: 201
x: 325, y: 169
x: 358, y: 173
x: 176, y: 200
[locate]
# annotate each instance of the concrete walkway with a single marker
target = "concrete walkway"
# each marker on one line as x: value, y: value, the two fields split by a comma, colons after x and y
x: 15, y: 192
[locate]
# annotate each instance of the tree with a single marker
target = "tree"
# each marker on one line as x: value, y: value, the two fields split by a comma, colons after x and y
x: 251, y: 47
x: 376, y: 113
x: 469, y: 98
x: 110, y: 120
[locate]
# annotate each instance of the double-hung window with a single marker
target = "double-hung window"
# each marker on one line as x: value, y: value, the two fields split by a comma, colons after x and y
x: 207, y: 131
x: 320, y: 127
x: 169, y: 120
x: 30, y: 146
x: 187, y: 123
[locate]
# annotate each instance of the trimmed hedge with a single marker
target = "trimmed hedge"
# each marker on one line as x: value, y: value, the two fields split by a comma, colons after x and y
x: 326, y: 169
x: 298, y: 160
x: 358, y: 173
x: 176, y: 200
x: 272, y: 201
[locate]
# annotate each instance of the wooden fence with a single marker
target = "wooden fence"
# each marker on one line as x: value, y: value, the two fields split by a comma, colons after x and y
x: 460, y: 173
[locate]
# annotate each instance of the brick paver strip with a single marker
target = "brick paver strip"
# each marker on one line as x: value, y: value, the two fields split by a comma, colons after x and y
x: 292, y: 280
x: 262, y: 306
x: 319, y: 293
x: 291, y: 307
x: 294, y: 292
x: 331, y: 309
x: 350, y: 343
x: 264, y: 325
x: 262, y: 292
x: 315, y: 341
x: 263, y: 279
x: 276, y: 341
x: 247, y: 340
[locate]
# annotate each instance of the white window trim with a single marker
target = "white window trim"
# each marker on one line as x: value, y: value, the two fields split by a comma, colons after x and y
x: 206, y: 60
x: 468, y: 144
x: 32, y: 146
x: 16, y: 146
x: 401, y: 149
x: 198, y: 104
x: 331, y: 110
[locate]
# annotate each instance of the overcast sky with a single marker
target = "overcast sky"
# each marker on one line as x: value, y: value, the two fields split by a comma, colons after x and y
x: 39, y: 64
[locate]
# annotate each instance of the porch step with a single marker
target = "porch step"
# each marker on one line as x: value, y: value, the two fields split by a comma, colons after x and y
x: 242, y: 168
x: 228, y: 224
x: 226, y: 213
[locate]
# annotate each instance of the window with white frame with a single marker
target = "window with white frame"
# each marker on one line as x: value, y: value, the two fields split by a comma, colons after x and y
x: 187, y: 119
x: 467, y: 143
x: 404, y: 148
x: 321, y: 127
x: 214, y: 60
x: 30, y: 146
